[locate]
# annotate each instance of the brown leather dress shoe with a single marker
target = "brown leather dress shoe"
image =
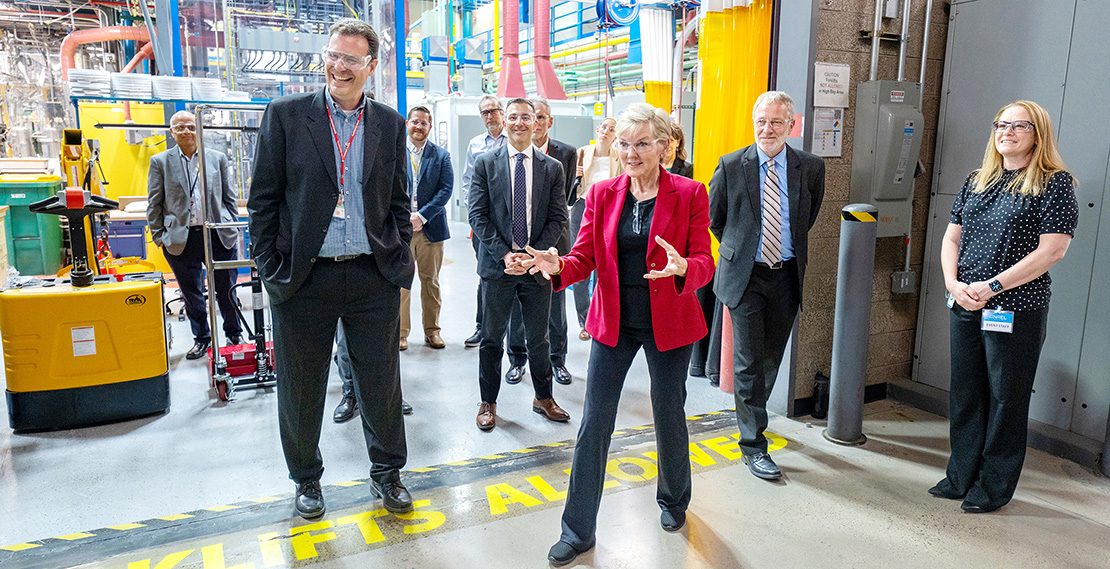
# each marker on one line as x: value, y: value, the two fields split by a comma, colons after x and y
x: 434, y: 340
x: 550, y: 410
x: 583, y: 335
x: 404, y: 344
x: 486, y: 412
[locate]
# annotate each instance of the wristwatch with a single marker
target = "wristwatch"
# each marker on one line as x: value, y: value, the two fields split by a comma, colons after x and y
x: 995, y: 286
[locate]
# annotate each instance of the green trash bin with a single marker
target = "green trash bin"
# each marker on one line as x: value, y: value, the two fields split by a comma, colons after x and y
x: 36, y: 239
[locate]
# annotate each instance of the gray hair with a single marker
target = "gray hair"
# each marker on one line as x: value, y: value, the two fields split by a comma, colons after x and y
x: 353, y: 27
x: 642, y: 113
x: 182, y: 115
x: 538, y: 102
x: 490, y: 98
x: 774, y: 97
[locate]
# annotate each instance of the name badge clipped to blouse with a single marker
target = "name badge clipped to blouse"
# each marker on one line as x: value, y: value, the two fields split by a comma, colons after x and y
x: 998, y: 320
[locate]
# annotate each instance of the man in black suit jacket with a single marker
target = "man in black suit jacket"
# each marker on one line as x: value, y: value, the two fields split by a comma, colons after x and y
x: 565, y: 154
x: 512, y: 207
x: 330, y: 231
x: 763, y: 200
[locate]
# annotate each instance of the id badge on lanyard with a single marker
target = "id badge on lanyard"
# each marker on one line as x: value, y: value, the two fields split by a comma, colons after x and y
x: 998, y: 320
x: 339, y: 212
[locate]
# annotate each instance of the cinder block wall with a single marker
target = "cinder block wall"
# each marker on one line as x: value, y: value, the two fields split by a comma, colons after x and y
x: 893, y: 317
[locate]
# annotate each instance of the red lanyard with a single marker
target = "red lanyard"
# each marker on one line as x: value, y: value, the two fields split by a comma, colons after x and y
x: 342, y: 150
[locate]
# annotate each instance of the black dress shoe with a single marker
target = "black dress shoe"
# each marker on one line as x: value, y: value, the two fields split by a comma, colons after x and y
x: 762, y: 466
x: 234, y: 340
x: 562, y: 553
x: 562, y: 376
x: 672, y: 521
x: 395, y: 497
x: 944, y: 489
x: 406, y: 409
x: 697, y: 371
x: 514, y: 375
x: 475, y: 340
x: 310, y: 500
x: 973, y: 508
x: 346, y: 409
x: 197, y: 351
x: 714, y: 380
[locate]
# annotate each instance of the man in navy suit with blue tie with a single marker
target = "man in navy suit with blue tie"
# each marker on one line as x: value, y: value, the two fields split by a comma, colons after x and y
x: 431, y: 180
x: 517, y: 198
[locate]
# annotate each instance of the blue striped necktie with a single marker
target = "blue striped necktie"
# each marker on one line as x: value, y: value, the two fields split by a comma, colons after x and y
x: 520, y: 204
x: 772, y: 217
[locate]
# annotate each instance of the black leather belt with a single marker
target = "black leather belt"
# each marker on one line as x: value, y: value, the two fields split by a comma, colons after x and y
x: 774, y: 267
x: 340, y: 258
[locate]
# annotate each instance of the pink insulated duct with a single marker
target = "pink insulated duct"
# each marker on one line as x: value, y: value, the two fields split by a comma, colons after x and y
x: 147, y: 52
x: 114, y: 33
x: 511, y: 81
x: 547, y: 83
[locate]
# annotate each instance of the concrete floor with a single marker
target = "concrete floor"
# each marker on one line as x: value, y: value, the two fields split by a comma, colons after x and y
x: 838, y: 506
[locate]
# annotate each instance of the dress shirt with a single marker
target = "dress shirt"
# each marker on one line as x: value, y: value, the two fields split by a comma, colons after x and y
x: 478, y: 145
x: 528, y: 175
x: 347, y: 236
x: 191, y: 165
x: 416, y: 157
x: 784, y: 199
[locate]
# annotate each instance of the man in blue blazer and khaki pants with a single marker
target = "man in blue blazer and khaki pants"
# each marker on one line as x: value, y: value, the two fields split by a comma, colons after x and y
x: 430, y: 183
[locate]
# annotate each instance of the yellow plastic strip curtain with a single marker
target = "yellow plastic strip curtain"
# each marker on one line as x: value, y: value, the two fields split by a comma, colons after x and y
x: 734, y: 50
x: 657, y: 41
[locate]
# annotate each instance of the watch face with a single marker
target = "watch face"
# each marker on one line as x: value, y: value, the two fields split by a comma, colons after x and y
x: 996, y: 286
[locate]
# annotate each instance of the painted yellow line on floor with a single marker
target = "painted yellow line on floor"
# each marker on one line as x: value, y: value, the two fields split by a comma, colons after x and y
x: 221, y: 508
x: 492, y: 457
x: 422, y: 469
x: 348, y: 483
x: 20, y: 546
x: 75, y: 536
x: 125, y: 527
x: 262, y: 500
x: 176, y: 517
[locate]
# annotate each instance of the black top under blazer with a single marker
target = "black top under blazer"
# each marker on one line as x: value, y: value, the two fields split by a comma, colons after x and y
x: 735, y: 214
x: 294, y: 191
x: 567, y: 156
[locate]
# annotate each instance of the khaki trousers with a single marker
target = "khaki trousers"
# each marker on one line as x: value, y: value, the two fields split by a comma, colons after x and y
x: 429, y: 259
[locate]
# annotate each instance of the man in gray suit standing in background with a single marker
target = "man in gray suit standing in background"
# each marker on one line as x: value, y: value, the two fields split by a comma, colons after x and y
x: 763, y: 200
x: 173, y: 213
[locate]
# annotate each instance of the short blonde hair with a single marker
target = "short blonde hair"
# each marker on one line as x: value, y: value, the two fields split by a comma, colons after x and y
x: 642, y: 113
x: 774, y: 97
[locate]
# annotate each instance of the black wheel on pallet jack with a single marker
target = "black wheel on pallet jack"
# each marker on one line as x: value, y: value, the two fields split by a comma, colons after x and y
x: 221, y: 390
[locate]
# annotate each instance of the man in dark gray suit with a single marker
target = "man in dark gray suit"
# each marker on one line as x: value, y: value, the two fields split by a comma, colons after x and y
x: 173, y: 215
x: 565, y: 154
x: 517, y: 199
x: 763, y: 200
x: 330, y: 234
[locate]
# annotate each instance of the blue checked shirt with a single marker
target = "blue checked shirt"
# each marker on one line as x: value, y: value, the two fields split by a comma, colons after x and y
x: 478, y: 145
x: 347, y: 236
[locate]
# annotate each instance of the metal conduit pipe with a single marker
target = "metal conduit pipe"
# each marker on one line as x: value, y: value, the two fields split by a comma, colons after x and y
x: 876, y: 31
x: 903, y: 43
x: 925, y: 47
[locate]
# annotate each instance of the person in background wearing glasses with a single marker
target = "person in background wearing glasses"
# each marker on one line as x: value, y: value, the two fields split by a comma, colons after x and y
x: 763, y: 200
x: 330, y: 231
x: 517, y: 200
x: 489, y: 107
x: 1011, y: 222
x: 596, y: 162
x: 645, y: 233
x: 173, y: 212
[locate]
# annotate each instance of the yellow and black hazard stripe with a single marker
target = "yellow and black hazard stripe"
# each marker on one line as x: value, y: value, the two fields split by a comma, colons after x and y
x: 862, y: 216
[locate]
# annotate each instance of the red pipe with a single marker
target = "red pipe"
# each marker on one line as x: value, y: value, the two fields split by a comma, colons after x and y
x: 147, y: 52
x: 547, y: 83
x: 74, y: 39
x: 511, y: 81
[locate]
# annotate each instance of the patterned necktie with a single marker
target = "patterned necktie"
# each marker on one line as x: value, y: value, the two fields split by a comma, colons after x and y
x: 772, y: 217
x: 520, y: 203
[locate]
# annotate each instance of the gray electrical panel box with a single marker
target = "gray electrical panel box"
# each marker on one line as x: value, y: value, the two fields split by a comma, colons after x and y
x: 885, y: 149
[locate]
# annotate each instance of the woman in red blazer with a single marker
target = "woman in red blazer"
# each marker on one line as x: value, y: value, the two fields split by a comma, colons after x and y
x: 646, y: 233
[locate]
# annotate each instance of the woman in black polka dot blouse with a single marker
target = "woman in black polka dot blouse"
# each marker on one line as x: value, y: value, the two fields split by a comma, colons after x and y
x: 1012, y: 221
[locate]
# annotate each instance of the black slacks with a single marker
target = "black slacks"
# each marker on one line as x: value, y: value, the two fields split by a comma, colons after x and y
x: 368, y: 305
x: 556, y: 329
x: 501, y: 294
x: 761, y: 326
x: 581, y: 289
x: 992, y: 382
x: 608, y: 369
x: 188, y: 271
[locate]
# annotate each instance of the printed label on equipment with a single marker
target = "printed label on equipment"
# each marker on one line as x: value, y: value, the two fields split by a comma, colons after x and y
x: 84, y: 341
x: 897, y: 96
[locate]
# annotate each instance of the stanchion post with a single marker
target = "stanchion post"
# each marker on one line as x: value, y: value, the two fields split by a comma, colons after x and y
x: 852, y: 323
